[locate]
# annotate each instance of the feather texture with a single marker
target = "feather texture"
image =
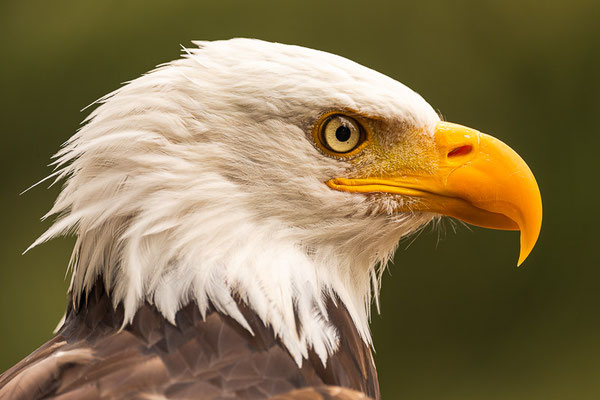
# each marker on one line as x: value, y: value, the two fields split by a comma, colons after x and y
x: 211, y: 357
x: 199, y: 183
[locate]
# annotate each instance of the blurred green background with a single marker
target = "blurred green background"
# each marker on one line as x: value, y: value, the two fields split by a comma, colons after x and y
x: 459, y: 320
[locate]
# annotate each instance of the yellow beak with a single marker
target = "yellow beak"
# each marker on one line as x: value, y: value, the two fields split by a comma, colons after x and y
x: 476, y: 178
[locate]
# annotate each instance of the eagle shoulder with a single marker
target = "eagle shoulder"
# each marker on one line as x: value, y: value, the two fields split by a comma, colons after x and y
x: 93, y: 356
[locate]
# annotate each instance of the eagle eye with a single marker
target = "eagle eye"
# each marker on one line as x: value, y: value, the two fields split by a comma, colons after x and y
x: 340, y: 134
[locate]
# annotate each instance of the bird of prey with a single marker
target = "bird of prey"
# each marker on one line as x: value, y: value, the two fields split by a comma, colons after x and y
x: 233, y: 211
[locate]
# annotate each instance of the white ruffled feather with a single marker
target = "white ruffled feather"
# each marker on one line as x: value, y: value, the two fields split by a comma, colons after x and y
x: 199, y: 182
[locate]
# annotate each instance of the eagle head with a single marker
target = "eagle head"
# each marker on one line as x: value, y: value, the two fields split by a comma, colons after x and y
x: 274, y: 175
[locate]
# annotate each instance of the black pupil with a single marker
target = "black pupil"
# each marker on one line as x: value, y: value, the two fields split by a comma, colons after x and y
x: 342, y: 133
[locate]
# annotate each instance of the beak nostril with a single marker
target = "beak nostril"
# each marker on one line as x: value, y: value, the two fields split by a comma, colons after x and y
x: 460, y: 151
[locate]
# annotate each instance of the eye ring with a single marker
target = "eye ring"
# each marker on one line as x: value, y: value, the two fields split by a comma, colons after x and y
x: 340, y: 135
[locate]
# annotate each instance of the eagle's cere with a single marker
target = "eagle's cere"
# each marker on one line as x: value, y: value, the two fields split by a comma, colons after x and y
x: 268, y: 184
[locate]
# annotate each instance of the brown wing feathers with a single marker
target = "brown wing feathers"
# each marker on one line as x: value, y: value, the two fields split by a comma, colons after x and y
x: 322, y: 393
x: 91, y: 357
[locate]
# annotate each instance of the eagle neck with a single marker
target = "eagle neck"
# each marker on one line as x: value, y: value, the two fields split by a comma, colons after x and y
x: 94, y: 321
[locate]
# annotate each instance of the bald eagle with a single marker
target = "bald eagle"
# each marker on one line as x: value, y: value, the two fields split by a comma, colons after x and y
x: 233, y: 211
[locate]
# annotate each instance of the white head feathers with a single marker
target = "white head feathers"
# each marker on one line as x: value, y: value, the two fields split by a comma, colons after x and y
x: 199, y: 182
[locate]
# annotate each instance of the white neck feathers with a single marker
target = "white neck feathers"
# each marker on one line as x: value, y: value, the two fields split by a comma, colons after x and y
x: 180, y: 190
